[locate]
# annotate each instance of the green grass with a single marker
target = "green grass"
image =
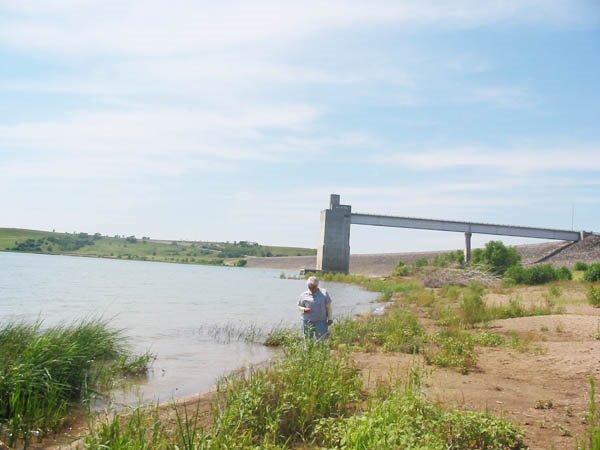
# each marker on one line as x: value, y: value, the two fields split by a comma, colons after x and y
x: 270, y: 408
x: 387, y: 286
x: 592, y: 439
x: 132, y: 248
x: 310, y: 397
x: 43, y: 372
x: 397, y: 331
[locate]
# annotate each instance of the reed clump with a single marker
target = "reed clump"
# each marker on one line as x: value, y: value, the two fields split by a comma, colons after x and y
x: 43, y: 371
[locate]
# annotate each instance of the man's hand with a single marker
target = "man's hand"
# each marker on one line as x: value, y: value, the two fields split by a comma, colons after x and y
x: 306, y: 310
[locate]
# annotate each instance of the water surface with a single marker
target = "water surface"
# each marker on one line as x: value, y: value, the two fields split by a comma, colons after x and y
x: 168, y: 309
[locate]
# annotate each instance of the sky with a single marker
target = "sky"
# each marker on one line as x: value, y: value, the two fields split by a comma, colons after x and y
x: 235, y: 120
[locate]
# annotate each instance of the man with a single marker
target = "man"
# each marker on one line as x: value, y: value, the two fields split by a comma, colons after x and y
x: 315, y: 309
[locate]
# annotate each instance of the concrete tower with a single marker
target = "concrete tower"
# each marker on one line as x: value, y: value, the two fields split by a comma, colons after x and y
x: 333, y: 253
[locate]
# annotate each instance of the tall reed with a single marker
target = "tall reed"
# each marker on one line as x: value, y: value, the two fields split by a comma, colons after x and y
x: 44, y: 371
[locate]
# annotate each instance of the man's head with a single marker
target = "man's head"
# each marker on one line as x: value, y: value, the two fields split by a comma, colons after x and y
x: 313, y: 284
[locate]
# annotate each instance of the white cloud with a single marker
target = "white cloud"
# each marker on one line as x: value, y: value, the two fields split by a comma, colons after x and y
x: 155, y: 27
x: 513, y: 159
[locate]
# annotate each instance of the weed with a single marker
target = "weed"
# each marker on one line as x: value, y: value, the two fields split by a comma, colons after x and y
x: 451, y: 292
x: 593, y: 296
x: 592, y: 438
x: 453, y: 348
x: 524, y: 343
x: 406, y: 420
x: 283, y: 404
x: 489, y: 339
x: 544, y: 404
x: 399, y: 330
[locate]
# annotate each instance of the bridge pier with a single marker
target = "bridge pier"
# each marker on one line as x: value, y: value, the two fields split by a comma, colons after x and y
x: 333, y: 253
x: 468, y: 235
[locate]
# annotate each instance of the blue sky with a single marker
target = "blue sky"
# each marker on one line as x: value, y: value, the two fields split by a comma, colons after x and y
x: 236, y: 120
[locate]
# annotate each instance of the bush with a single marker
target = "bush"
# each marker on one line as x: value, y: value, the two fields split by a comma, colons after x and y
x: 401, y: 270
x: 540, y: 274
x: 579, y: 265
x: 421, y: 262
x: 449, y: 258
x: 496, y: 257
x: 592, y: 273
x: 564, y: 274
x: 472, y: 308
x: 593, y: 296
x: 241, y: 263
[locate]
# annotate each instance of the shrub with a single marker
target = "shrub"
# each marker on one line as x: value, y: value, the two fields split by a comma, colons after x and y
x: 592, y: 273
x: 449, y: 258
x: 241, y: 263
x: 401, y: 270
x: 472, y: 308
x: 421, y: 262
x: 496, y: 257
x: 564, y: 274
x: 593, y: 296
x: 540, y: 274
x: 580, y: 265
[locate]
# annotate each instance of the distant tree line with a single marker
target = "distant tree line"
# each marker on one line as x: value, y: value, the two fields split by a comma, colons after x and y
x: 61, y: 243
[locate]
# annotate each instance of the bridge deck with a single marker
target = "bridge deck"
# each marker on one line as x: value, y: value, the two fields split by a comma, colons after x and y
x: 466, y: 227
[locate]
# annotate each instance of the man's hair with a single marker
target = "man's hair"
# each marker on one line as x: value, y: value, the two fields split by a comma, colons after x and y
x: 312, y: 281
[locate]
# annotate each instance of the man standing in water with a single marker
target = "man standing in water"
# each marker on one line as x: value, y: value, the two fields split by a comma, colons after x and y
x: 315, y: 307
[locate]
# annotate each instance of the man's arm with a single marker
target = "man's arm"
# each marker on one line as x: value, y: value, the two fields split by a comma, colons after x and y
x: 329, y: 309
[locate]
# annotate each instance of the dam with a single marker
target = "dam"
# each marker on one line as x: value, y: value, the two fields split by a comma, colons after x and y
x: 333, y: 252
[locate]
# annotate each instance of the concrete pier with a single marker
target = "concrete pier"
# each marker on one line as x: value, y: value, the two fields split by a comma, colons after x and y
x: 468, y: 235
x: 333, y: 253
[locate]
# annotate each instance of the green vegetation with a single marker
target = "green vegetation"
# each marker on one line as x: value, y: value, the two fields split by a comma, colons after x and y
x: 406, y: 420
x: 43, y: 372
x: 397, y: 331
x: 581, y: 266
x: 592, y: 439
x: 387, y: 287
x: 593, y: 296
x: 454, y: 258
x: 540, y: 274
x: 311, y: 397
x: 496, y: 257
x: 592, y: 273
x: 144, y: 249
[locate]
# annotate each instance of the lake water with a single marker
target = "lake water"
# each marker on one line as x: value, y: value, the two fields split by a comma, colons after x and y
x: 170, y: 310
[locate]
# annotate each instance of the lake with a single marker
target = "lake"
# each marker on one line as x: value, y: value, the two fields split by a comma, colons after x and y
x: 174, y: 311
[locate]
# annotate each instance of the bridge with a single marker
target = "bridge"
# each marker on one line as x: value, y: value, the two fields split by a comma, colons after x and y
x: 333, y: 253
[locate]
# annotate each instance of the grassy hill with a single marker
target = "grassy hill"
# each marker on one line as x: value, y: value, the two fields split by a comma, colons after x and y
x: 145, y: 249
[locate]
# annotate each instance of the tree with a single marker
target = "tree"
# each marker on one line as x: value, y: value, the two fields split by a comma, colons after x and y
x: 496, y: 257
